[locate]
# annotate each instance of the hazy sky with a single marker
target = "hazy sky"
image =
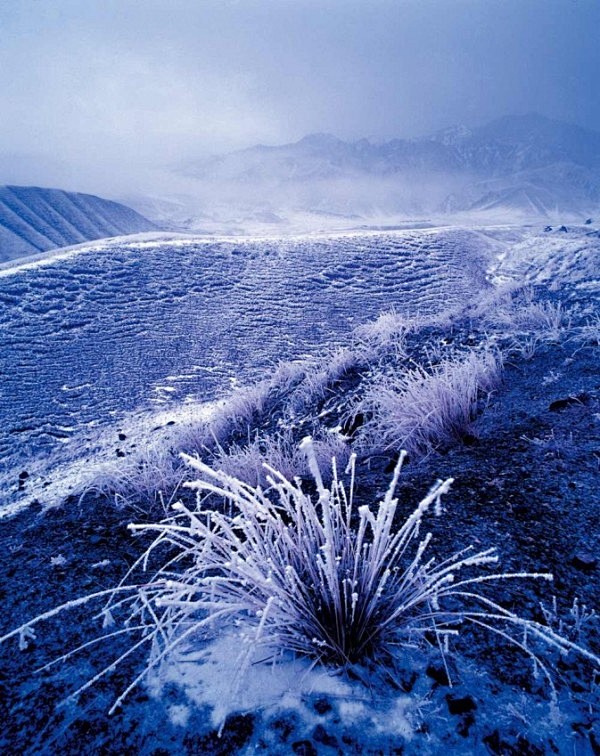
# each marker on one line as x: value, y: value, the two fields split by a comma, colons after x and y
x: 107, y: 86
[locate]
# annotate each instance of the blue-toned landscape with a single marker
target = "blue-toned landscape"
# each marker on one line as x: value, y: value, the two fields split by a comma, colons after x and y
x: 299, y: 387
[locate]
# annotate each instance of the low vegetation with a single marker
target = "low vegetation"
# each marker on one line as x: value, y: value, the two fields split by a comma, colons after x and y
x: 415, y: 383
x: 319, y: 574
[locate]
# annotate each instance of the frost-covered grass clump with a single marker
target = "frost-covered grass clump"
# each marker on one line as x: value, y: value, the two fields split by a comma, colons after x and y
x: 306, y: 570
x: 421, y: 409
x: 251, y: 462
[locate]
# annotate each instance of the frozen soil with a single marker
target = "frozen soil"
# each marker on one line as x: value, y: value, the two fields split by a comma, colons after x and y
x: 525, y: 481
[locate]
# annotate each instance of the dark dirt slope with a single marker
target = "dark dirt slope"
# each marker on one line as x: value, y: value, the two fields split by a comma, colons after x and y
x: 525, y: 481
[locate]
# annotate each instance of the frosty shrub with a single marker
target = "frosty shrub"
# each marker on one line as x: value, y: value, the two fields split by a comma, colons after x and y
x: 419, y: 410
x: 251, y: 463
x: 317, y: 575
x: 147, y: 477
x: 546, y: 321
x: 387, y: 331
x: 589, y: 333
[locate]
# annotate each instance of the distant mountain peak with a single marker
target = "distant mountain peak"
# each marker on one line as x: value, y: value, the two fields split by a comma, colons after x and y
x: 320, y: 139
x: 525, y: 160
x: 452, y: 135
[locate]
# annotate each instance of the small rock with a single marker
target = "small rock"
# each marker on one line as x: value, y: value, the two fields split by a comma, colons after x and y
x: 122, y: 436
x: 322, y: 706
x: 284, y: 727
x: 120, y: 453
x: 320, y: 735
x: 502, y: 748
x: 304, y: 748
x: 23, y: 475
x: 585, y: 562
x: 465, y: 723
x: 438, y: 674
x: 561, y: 404
x: 460, y: 705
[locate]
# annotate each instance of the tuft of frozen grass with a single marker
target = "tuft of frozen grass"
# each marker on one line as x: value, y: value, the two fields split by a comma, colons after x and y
x: 572, y: 624
x: 316, y: 574
x: 148, y: 476
x: 496, y: 299
x: 250, y: 463
x: 589, y: 333
x: 388, y: 331
x: 543, y: 321
x: 420, y: 410
x: 320, y: 378
x: 547, y: 319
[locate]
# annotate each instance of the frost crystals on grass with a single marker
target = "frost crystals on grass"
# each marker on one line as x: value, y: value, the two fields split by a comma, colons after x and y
x: 319, y: 576
x: 313, y: 574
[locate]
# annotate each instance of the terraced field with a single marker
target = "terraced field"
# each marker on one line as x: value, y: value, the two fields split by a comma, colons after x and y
x: 96, y: 332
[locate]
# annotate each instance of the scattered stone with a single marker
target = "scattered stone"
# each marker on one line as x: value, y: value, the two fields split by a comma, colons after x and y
x: 500, y: 747
x: 304, y: 748
x: 584, y: 562
x: 284, y: 727
x: 438, y: 673
x: 465, y: 723
x: 120, y: 453
x: 122, y: 436
x: 322, y: 706
x: 460, y: 705
x: 23, y: 475
x: 320, y: 735
x: 561, y: 404
x: 564, y: 229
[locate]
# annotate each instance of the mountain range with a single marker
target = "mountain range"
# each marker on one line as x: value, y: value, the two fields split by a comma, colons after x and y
x: 527, y: 164
x: 514, y: 169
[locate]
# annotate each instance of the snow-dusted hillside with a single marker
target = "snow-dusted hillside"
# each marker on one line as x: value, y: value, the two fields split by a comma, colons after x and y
x: 96, y: 332
x: 93, y: 333
x: 35, y: 220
